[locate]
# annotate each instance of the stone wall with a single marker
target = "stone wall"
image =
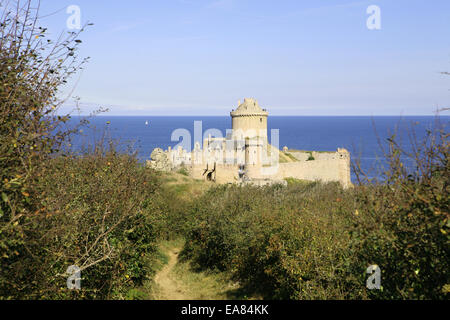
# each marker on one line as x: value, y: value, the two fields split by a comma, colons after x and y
x: 326, y: 167
x: 160, y: 160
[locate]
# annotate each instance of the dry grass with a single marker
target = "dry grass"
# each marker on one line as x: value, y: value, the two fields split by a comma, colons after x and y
x: 283, y: 158
x: 177, y: 280
x: 187, y: 188
x: 287, y: 154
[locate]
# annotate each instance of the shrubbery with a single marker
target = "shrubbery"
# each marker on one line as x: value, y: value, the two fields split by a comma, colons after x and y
x: 403, y: 225
x: 309, y: 241
x: 280, y: 242
x: 32, y: 70
x: 98, y: 213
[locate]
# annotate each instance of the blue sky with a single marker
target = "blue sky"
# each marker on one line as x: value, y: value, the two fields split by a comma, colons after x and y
x: 311, y: 57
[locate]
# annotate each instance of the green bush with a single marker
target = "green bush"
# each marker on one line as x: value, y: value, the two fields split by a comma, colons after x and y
x: 282, y: 243
x: 32, y: 68
x: 315, y: 241
x: 403, y: 225
x: 99, y: 213
x: 183, y: 171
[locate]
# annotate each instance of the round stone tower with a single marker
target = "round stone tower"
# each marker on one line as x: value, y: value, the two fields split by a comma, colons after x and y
x: 249, y: 124
x: 249, y: 120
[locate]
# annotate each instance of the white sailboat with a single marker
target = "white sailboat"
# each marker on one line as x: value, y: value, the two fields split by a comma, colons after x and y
x: 146, y: 123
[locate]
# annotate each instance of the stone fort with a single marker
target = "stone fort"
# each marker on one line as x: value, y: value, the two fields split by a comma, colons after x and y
x: 245, y: 155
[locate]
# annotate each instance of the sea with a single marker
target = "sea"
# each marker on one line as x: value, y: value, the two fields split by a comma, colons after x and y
x: 364, y: 137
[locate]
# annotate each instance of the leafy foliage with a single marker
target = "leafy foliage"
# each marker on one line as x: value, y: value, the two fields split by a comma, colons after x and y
x: 280, y: 242
x: 56, y: 209
x: 315, y: 241
x: 32, y: 70
x: 403, y: 224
